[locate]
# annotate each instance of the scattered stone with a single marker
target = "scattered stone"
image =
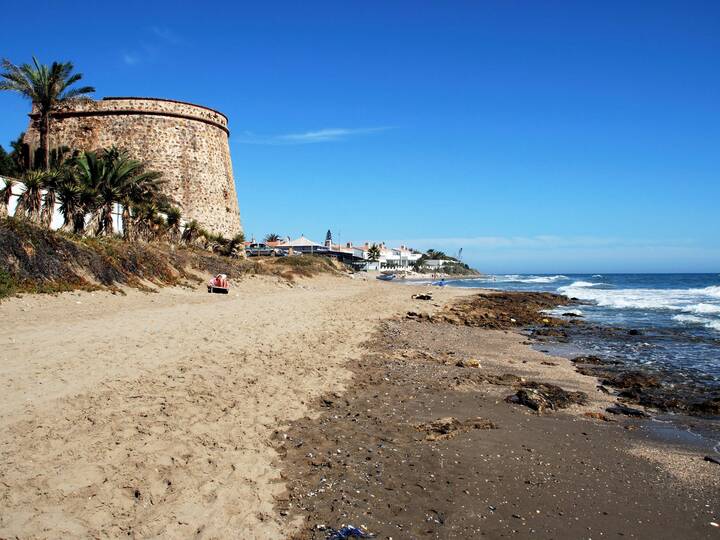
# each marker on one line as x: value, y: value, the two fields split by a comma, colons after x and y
x: 627, y: 411
x: 426, y: 296
x: 500, y: 310
x: 632, y: 379
x: 546, y: 363
x: 468, y: 363
x: 543, y: 396
x: 591, y: 361
x: 448, y: 427
x: 598, y: 416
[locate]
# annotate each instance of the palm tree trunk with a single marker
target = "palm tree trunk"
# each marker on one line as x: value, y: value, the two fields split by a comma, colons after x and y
x: 106, y: 222
x: 44, y: 138
x: 48, y: 209
x: 127, y: 222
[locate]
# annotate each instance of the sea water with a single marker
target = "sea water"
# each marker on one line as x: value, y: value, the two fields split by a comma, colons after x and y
x: 676, y: 316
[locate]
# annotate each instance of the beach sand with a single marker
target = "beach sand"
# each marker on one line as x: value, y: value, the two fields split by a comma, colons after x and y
x: 149, y: 414
x: 182, y: 414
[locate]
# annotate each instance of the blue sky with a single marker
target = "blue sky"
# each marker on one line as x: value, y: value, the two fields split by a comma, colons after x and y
x: 538, y: 136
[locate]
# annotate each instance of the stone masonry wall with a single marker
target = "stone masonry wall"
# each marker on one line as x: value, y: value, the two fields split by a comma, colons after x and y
x: 187, y: 143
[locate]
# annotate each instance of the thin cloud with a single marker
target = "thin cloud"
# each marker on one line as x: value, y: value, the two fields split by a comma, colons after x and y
x: 309, y: 137
x: 151, y: 47
x: 165, y: 34
x: 542, y: 242
x: 129, y: 59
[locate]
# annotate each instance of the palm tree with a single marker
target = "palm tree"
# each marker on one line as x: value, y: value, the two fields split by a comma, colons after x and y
x: 29, y: 204
x: 116, y: 178
x: 5, y: 194
x: 74, y: 201
x: 47, y: 88
x: 272, y: 237
x: 53, y: 179
x: 191, y: 232
x: 173, y: 223
x: 374, y: 253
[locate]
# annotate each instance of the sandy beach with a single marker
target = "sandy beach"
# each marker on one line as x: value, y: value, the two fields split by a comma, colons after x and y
x: 182, y: 414
x: 150, y: 414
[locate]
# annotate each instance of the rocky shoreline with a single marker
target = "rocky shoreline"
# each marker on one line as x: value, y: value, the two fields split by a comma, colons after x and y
x: 452, y: 427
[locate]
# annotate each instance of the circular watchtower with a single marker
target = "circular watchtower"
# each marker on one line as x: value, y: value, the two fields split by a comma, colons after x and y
x: 188, y: 143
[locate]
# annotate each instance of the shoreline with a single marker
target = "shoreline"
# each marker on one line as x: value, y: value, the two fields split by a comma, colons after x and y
x: 359, y: 461
x: 172, y: 412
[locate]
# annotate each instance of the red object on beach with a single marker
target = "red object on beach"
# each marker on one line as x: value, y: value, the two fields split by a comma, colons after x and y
x: 219, y: 284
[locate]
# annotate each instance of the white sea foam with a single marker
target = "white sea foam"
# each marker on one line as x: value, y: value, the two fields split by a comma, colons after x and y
x: 713, y: 324
x: 582, y: 284
x: 516, y: 278
x: 692, y: 319
x: 698, y: 301
x: 713, y: 290
x: 703, y: 308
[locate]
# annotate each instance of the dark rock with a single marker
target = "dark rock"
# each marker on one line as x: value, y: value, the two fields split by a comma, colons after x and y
x: 627, y: 411
x: 571, y: 314
x: 712, y: 459
x: 634, y: 332
x: 449, y: 427
x: 422, y: 296
x: 708, y: 406
x: 593, y: 361
x: 542, y: 396
x: 632, y: 379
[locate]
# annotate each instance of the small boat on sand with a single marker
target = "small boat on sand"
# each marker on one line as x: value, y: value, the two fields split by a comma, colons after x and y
x: 219, y: 284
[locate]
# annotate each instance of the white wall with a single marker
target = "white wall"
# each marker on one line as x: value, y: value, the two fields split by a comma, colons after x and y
x: 57, y: 219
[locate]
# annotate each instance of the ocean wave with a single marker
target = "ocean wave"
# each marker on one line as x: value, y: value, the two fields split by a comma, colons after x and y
x: 582, y: 284
x: 517, y: 278
x: 703, y: 308
x: 713, y: 290
x: 699, y: 301
x: 694, y: 319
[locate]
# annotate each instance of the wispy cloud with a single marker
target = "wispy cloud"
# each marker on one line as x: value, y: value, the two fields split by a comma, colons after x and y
x: 309, y: 137
x: 165, y: 34
x: 156, y: 41
x: 130, y: 59
x: 542, y: 242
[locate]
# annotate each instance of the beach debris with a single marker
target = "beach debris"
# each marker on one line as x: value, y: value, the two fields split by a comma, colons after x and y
x: 423, y: 296
x: 571, y: 314
x: 544, y: 396
x: 619, y: 408
x: 591, y: 361
x: 468, y: 363
x: 598, y: 416
x: 712, y: 459
x: 348, y: 531
x: 418, y: 316
x: 632, y: 379
x: 546, y: 363
x: 448, y: 427
x: 501, y: 311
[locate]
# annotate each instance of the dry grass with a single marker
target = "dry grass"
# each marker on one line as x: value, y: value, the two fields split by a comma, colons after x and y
x: 34, y: 259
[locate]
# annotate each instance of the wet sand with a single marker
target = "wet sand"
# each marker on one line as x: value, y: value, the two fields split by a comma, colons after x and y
x: 373, y: 459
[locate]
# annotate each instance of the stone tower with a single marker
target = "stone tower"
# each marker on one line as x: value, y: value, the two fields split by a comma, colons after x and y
x: 187, y: 143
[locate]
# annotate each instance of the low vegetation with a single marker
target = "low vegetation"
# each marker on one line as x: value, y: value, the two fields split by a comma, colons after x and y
x: 36, y: 259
